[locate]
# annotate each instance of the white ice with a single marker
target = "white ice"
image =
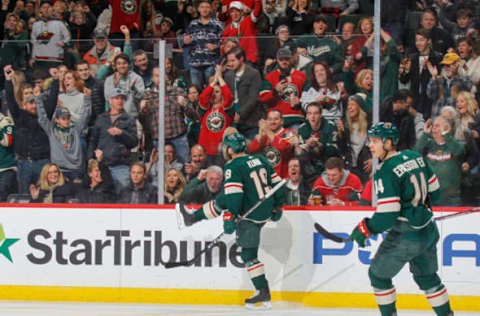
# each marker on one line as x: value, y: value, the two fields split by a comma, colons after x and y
x: 18, y: 308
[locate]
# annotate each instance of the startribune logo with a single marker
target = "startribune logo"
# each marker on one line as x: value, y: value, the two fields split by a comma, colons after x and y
x: 5, y: 244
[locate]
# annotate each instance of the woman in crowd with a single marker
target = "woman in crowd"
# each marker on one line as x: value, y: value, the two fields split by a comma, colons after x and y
x: 72, y: 95
x: 216, y: 109
x: 51, y: 187
x: 173, y: 75
x: 299, y: 17
x: 363, y: 84
x: 174, y: 184
x: 364, y: 31
x: 467, y: 108
x: 353, y: 138
x: 323, y: 90
x: 194, y: 121
x: 269, y: 46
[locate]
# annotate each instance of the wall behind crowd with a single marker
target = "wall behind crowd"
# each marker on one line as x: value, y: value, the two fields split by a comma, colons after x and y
x: 79, y: 118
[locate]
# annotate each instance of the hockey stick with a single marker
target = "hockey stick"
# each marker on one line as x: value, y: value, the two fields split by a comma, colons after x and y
x: 187, y: 263
x: 325, y: 233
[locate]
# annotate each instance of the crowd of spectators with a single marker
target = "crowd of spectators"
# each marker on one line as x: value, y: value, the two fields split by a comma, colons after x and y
x: 80, y: 103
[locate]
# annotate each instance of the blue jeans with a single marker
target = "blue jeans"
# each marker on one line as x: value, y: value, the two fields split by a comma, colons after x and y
x: 120, y: 176
x: 200, y: 75
x: 182, y: 149
x: 28, y: 173
x: 8, y: 184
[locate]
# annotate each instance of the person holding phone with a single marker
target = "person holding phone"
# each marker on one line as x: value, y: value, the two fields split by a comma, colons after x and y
x: 282, y: 88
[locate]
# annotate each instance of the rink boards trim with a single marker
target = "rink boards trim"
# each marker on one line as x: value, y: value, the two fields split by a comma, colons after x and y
x: 201, y: 296
x: 218, y: 297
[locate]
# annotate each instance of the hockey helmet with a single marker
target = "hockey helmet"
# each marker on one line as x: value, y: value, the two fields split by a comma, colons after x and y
x: 236, y: 141
x: 384, y: 130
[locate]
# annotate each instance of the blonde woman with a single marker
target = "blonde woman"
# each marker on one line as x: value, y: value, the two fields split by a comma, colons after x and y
x: 467, y: 108
x: 363, y: 84
x: 353, y: 138
x: 174, y: 184
x: 51, y: 187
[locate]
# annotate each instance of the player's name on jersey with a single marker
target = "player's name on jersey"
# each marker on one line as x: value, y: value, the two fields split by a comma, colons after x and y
x: 254, y: 163
x: 409, y: 166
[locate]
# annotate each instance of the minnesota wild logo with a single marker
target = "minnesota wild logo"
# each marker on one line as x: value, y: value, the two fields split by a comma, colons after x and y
x: 289, y: 91
x: 273, y: 155
x: 5, y: 244
x: 215, y: 121
x: 129, y: 6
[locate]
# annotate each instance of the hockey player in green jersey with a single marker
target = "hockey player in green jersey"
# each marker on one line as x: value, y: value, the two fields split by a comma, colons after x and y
x: 404, y: 185
x: 248, y: 178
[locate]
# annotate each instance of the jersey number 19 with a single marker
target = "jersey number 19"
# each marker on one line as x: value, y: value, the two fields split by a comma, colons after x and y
x: 260, y: 179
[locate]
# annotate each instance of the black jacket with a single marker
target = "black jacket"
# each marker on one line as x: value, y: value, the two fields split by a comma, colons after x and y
x: 103, y: 193
x: 147, y: 195
x: 250, y: 109
x: 31, y: 142
x: 116, y: 149
x: 98, y: 97
x: 404, y: 122
x: 419, y: 81
x: 61, y: 194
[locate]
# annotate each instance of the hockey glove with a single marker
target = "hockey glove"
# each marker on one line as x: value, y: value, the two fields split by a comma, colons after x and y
x: 228, y: 223
x: 276, y: 215
x: 361, y: 233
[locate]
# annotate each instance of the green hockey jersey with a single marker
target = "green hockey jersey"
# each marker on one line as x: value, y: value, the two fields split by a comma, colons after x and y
x: 403, y: 184
x: 248, y: 179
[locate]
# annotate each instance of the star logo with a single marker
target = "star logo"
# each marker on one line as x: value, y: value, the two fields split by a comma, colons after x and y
x: 5, y: 244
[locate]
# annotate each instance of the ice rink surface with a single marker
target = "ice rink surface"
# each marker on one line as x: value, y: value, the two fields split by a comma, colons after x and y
x: 95, y: 309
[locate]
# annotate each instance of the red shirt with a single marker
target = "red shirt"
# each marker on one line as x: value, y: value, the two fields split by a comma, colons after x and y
x: 246, y: 33
x: 214, y: 121
x: 350, y: 184
x: 269, y: 95
x: 278, y: 152
x: 124, y: 12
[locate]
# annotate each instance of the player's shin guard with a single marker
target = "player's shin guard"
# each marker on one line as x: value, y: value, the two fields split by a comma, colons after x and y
x: 438, y: 298
x: 385, y: 294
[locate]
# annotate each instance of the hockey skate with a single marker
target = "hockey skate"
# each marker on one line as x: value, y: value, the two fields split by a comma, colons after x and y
x: 185, y: 216
x: 261, y: 297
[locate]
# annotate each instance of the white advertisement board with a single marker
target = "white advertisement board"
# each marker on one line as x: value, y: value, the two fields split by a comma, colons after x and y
x: 127, y: 248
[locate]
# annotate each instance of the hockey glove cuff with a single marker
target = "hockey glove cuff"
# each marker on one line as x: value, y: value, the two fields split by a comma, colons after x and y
x: 276, y: 215
x: 228, y: 223
x: 361, y: 233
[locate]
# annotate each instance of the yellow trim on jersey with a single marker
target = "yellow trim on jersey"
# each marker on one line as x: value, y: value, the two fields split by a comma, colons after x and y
x: 220, y: 297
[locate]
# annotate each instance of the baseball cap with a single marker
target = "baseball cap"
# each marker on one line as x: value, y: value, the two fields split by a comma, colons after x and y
x: 284, y: 52
x: 116, y: 92
x: 319, y: 18
x: 62, y: 112
x: 450, y: 58
x: 100, y: 33
x: 45, y: 1
x: 236, y: 5
x: 168, y: 20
